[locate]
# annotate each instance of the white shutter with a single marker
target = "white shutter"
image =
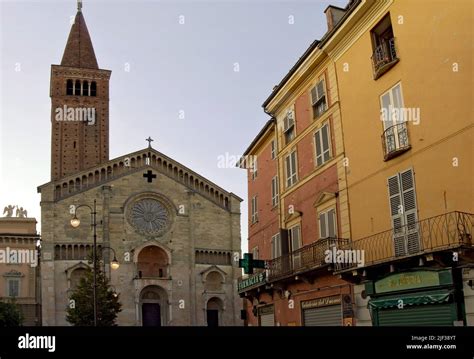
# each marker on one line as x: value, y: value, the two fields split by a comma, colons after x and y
x: 314, y: 95
x: 409, y: 207
x: 295, y: 245
x: 325, y: 138
x: 331, y: 223
x: 396, y: 212
x: 319, y: 149
x: 404, y: 213
x: 288, y: 171
x: 322, y: 226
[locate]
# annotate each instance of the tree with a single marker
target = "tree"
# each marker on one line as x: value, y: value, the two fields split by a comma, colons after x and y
x: 10, y: 315
x: 80, y: 311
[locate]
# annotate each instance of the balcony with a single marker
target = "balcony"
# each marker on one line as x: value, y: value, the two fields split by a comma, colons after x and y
x: 395, y: 140
x: 306, y: 258
x: 444, y: 232
x: 384, y: 57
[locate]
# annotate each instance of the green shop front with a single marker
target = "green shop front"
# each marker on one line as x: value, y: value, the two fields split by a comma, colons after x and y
x: 416, y: 298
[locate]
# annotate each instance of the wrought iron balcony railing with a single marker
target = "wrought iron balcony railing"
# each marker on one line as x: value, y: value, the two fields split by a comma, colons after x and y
x: 395, y: 140
x: 303, y: 259
x: 384, y: 57
x: 447, y: 231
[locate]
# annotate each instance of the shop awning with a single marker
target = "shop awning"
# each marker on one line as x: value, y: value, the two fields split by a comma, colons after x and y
x: 410, y: 299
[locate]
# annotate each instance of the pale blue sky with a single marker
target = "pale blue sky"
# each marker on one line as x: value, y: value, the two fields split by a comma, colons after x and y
x: 173, y: 67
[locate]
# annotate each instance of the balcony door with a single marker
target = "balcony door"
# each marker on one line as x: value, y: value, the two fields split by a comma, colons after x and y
x: 393, y: 118
x: 403, y: 209
x: 294, y: 243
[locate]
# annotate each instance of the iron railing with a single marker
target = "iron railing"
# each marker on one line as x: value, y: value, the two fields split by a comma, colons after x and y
x: 383, y: 55
x: 446, y: 231
x: 395, y: 140
x: 303, y: 259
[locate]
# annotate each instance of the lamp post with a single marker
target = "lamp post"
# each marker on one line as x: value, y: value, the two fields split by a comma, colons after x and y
x: 75, y: 222
x: 114, y: 264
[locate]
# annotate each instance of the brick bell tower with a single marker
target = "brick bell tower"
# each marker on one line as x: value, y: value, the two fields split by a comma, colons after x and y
x: 79, y: 94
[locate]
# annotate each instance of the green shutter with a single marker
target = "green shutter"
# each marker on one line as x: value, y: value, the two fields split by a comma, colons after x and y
x: 421, y: 315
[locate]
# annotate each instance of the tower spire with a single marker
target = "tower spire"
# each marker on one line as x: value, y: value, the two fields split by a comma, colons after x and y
x: 79, y: 5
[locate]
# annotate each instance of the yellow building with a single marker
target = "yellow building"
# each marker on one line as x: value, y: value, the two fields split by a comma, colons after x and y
x: 19, y: 265
x: 404, y: 72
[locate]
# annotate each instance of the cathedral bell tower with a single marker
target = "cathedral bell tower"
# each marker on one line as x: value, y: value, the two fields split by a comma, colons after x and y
x: 79, y: 94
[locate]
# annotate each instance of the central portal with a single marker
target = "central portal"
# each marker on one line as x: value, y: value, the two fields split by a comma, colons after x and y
x: 151, y: 315
x: 153, y: 306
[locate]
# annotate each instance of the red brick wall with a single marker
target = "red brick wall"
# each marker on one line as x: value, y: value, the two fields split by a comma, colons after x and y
x: 260, y: 233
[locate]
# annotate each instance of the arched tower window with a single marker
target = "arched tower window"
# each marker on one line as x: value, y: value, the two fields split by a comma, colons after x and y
x: 85, y: 88
x: 77, y: 88
x: 93, y: 88
x: 69, y: 87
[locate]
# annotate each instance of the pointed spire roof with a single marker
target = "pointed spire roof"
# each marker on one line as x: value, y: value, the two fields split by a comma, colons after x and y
x: 79, y: 51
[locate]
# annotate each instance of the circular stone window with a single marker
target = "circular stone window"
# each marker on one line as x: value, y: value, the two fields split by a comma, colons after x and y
x: 149, y: 216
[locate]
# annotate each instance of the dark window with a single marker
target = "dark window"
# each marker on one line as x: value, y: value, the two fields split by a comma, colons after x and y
x: 69, y: 87
x: 383, y: 44
x: 93, y: 88
x: 77, y: 88
x: 85, y: 88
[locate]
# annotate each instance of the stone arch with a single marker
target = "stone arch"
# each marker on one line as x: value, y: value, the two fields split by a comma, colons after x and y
x: 213, y: 281
x: 214, y: 310
x: 152, y: 262
x: 153, y: 306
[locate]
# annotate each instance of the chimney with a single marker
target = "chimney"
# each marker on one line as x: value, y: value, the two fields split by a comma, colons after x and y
x: 333, y: 15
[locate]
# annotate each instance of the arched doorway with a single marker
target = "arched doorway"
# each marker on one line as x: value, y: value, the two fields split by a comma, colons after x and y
x: 153, y: 306
x: 213, y: 311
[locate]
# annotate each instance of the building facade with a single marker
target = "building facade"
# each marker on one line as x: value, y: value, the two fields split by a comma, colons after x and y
x: 372, y: 169
x: 410, y: 159
x: 298, y: 208
x: 19, y: 266
x: 175, y: 234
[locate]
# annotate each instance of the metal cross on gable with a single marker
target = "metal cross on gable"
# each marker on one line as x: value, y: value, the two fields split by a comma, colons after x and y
x: 150, y: 140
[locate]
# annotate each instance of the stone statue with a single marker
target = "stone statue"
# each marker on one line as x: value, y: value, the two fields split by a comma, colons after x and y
x: 21, y: 213
x: 9, y: 210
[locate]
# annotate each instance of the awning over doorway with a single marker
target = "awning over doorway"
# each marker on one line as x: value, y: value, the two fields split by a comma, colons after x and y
x: 411, y: 299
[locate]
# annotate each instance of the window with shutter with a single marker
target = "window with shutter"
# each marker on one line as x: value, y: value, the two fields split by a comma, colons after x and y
x: 291, y: 173
x: 13, y: 287
x: 275, y: 191
x: 323, y: 145
x: 403, y: 210
x: 289, y: 126
x: 318, y: 98
x: 254, y: 212
x: 276, y: 246
x: 273, y: 150
x: 295, y: 243
x: 327, y: 224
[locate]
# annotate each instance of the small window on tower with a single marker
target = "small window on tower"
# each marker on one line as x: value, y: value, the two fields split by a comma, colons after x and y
x: 93, y: 88
x: 69, y: 87
x: 85, y: 88
x: 74, y: 144
x: 77, y: 88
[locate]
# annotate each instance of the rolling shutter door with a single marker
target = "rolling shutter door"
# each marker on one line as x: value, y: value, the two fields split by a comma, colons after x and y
x: 325, y: 316
x: 267, y: 320
x: 423, y: 315
x: 267, y: 316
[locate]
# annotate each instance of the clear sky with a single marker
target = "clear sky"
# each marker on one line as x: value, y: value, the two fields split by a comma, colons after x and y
x: 213, y: 61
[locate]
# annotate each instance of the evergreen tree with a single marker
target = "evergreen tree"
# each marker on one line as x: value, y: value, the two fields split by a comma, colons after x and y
x: 80, y: 311
x: 10, y: 315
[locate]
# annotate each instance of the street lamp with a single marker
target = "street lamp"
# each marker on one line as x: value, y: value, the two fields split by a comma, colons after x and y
x: 115, y: 263
x: 75, y: 222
